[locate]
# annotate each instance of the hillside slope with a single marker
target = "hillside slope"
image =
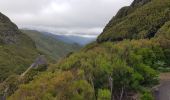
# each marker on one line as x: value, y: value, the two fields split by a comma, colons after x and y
x: 123, y: 64
x: 137, y: 22
x: 49, y: 45
x: 17, y: 51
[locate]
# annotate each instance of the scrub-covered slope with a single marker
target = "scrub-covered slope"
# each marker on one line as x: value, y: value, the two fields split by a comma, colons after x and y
x: 140, y: 20
x: 17, y: 51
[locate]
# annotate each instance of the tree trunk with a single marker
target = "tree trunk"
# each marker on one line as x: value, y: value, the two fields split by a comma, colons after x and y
x: 122, y: 92
x: 111, y: 87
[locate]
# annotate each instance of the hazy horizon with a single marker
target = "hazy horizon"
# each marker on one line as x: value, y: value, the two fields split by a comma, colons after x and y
x: 85, y: 18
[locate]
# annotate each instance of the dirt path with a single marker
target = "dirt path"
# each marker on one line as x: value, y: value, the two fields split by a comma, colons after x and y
x: 162, y: 92
x: 23, y: 74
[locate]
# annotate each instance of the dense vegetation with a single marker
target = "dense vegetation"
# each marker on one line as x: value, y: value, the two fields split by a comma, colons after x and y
x: 131, y: 64
x: 123, y: 64
x: 49, y: 45
x: 137, y: 22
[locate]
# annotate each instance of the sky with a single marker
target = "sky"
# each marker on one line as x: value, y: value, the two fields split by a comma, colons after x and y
x: 85, y: 18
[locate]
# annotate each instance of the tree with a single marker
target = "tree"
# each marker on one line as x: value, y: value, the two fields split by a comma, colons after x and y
x: 122, y: 77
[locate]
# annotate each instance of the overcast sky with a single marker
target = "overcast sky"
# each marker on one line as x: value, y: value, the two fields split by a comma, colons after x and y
x: 81, y: 17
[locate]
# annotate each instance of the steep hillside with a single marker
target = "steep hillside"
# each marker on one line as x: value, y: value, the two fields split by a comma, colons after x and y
x: 9, y: 30
x: 137, y: 22
x: 51, y: 46
x: 17, y: 51
x: 123, y: 64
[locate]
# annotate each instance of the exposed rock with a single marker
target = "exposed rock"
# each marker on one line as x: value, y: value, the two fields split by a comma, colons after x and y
x: 41, y: 60
x: 139, y: 2
x: 122, y: 12
x: 128, y: 9
x: 8, y: 30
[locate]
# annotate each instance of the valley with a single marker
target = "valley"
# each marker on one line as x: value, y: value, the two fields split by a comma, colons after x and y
x: 50, y: 45
x: 129, y: 60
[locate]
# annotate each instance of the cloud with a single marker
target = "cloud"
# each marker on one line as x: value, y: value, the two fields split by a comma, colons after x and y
x: 64, y: 16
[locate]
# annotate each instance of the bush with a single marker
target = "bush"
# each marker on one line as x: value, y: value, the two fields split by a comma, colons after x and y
x: 147, y: 96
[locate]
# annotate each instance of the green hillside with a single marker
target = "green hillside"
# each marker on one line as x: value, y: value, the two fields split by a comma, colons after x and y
x: 17, y: 51
x: 123, y: 64
x: 49, y: 45
x: 139, y: 23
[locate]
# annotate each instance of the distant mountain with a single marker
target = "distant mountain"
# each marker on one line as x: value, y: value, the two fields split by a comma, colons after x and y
x: 72, y: 39
x: 50, y: 44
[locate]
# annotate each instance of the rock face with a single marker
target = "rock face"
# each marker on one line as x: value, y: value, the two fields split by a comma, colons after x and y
x: 139, y: 2
x: 41, y: 60
x: 8, y: 30
x: 128, y: 9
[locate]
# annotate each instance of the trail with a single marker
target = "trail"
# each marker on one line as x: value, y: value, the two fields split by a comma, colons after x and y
x: 162, y: 92
x: 21, y: 76
x: 28, y: 69
x: 40, y: 60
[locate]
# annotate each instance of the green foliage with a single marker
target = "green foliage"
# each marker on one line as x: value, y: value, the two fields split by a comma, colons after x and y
x: 104, y: 94
x: 122, y: 78
x: 121, y: 74
x: 96, y: 65
x: 80, y: 90
x: 11, y: 84
x: 147, y: 96
x: 52, y: 86
x: 14, y: 81
x: 32, y: 73
x: 164, y: 30
x: 131, y: 64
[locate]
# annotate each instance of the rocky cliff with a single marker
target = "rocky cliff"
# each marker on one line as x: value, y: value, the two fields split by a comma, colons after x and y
x: 8, y: 30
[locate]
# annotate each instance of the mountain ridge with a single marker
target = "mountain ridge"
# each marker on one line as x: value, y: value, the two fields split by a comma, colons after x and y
x: 153, y: 15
